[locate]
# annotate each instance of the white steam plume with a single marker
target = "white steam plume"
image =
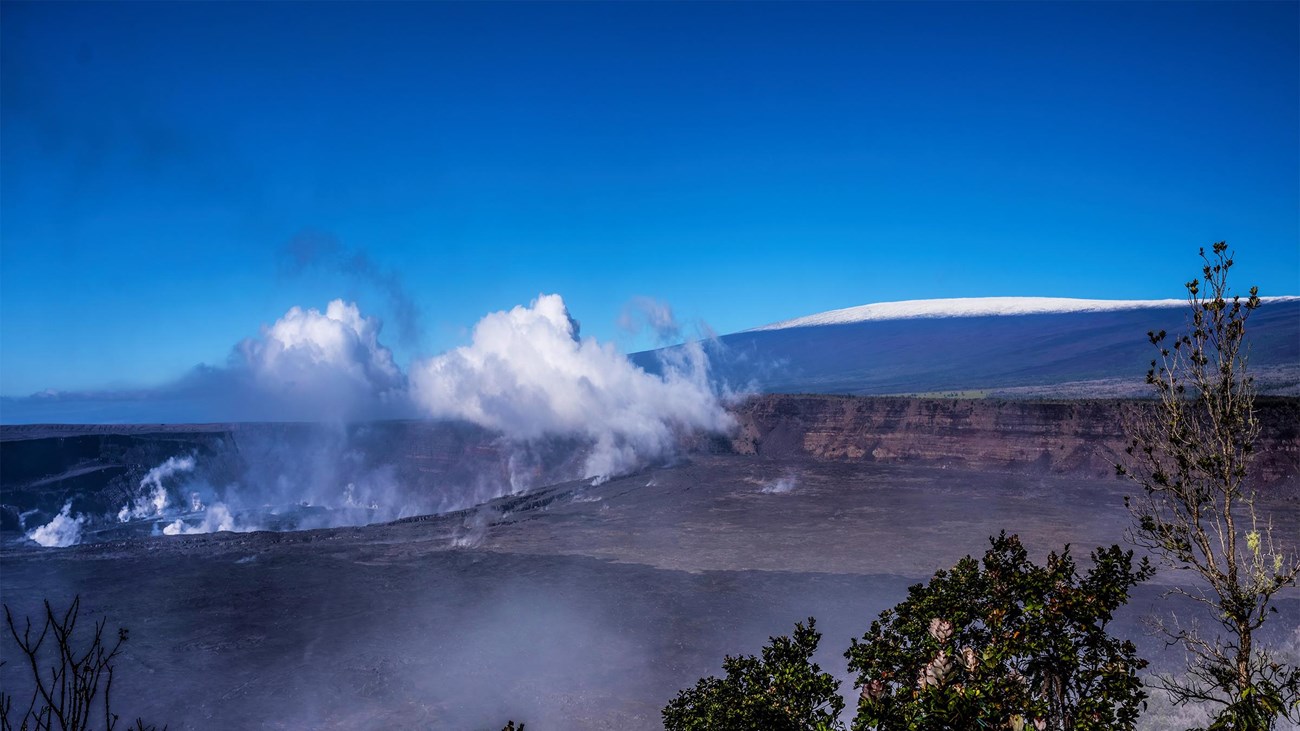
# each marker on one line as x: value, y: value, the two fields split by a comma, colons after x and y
x: 216, y: 517
x: 63, y: 531
x: 528, y: 374
x: 151, y: 498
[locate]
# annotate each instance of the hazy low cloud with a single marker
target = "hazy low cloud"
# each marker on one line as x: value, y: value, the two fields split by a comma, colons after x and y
x: 528, y: 374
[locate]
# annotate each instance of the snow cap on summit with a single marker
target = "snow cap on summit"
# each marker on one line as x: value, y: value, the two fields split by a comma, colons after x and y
x: 975, y: 307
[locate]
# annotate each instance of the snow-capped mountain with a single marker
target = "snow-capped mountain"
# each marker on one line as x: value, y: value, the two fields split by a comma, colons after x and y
x: 999, y: 346
x: 976, y: 307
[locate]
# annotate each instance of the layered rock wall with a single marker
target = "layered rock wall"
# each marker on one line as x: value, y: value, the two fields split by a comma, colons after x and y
x: 1068, y: 437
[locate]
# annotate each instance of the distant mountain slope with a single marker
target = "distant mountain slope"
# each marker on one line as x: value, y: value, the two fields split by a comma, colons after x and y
x: 1010, y: 347
x: 979, y: 306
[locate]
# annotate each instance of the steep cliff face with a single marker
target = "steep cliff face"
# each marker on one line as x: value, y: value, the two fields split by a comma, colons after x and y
x: 1078, y: 437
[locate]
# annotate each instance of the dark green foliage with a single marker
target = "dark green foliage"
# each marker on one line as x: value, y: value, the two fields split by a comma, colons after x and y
x: 783, y: 690
x: 1004, y: 644
x: 510, y: 726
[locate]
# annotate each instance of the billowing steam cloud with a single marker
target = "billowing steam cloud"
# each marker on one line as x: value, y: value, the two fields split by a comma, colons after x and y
x: 549, y: 406
x: 63, y: 531
x: 528, y: 374
x: 333, y: 358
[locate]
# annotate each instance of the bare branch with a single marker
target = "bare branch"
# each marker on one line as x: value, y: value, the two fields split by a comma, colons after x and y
x: 67, y: 695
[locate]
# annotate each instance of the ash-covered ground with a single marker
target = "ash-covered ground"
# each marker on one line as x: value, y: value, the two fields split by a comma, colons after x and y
x: 580, y: 606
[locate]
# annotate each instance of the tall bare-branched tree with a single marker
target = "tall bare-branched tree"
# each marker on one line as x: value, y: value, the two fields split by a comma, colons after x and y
x: 1191, y: 454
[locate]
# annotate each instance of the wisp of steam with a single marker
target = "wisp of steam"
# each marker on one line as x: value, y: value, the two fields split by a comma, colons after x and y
x: 152, y: 498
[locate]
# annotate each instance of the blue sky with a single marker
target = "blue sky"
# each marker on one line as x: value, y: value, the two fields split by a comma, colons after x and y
x: 744, y: 162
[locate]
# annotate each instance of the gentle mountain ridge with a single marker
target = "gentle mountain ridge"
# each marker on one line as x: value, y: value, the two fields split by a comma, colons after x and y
x: 976, y: 307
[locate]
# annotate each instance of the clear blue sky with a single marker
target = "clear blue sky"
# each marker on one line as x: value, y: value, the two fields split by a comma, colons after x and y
x: 745, y: 162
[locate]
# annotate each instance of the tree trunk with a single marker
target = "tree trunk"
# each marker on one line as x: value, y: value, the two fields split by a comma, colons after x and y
x: 1243, y: 657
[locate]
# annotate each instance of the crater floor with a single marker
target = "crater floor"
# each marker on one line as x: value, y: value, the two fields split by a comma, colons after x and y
x: 569, y: 607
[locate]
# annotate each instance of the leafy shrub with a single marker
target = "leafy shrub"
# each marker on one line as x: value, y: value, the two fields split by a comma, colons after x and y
x: 1004, y: 644
x: 783, y: 690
